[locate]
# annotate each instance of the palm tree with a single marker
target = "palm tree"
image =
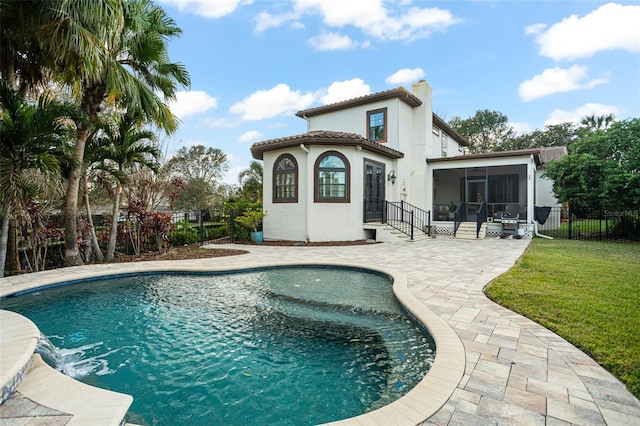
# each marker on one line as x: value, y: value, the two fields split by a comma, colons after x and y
x: 106, y: 52
x: 121, y: 145
x: 598, y: 122
x: 251, y: 182
x: 32, y: 150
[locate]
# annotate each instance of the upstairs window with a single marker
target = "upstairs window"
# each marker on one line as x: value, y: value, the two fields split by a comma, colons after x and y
x: 332, y: 178
x: 444, y: 144
x: 285, y: 180
x: 377, y: 125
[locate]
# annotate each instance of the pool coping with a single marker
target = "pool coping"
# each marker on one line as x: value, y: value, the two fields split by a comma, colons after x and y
x: 417, y: 405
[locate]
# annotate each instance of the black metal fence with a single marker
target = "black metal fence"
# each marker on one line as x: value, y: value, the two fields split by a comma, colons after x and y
x: 38, y: 244
x: 592, y: 223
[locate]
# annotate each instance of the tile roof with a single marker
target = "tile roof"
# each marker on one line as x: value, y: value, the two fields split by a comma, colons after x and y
x: 399, y: 92
x: 322, y: 137
x: 542, y: 155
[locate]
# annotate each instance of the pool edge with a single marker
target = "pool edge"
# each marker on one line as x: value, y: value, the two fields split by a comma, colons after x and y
x: 420, y: 403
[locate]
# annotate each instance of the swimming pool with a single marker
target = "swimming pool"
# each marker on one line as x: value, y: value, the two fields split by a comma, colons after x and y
x: 278, y: 345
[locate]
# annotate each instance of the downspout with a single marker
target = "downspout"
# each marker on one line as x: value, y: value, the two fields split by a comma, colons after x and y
x: 308, y: 205
x: 535, y: 222
x: 535, y: 227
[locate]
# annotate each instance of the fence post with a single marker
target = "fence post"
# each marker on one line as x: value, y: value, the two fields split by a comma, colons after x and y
x: 569, y: 222
x: 411, y: 218
x: 232, y: 224
x: 600, y: 213
x: 201, y: 227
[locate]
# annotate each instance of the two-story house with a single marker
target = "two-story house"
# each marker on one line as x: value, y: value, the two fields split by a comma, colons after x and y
x: 387, y: 157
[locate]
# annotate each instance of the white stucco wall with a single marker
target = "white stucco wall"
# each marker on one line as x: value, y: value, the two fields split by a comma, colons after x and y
x: 285, y: 221
x: 318, y: 221
x: 544, y: 192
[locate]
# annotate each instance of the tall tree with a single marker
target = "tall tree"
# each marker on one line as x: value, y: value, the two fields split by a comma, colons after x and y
x: 251, y: 182
x: 552, y: 135
x: 32, y: 150
x: 106, y: 51
x: 121, y: 144
x: 603, y: 168
x: 485, y: 131
x: 199, y: 162
x: 598, y: 122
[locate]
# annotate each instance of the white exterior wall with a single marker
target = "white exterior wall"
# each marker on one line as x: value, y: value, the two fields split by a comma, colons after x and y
x: 544, y: 192
x: 421, y: 148
x: 311, y: 220
x: 286, y: 221
x: 354, y: 120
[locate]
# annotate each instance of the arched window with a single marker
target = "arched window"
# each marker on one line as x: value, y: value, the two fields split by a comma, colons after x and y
x: 332, y: 178
x: 285, y: 179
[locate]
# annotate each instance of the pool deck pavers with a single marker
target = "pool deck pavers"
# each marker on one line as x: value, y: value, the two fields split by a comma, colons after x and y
x: 515, y: 371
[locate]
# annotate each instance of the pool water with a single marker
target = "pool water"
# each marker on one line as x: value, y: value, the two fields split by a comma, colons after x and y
x: 293, y: 346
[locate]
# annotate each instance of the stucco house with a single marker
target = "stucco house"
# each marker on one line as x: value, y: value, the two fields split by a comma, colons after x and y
x: 387, y: 158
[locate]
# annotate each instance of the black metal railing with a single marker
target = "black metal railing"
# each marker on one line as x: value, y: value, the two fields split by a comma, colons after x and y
x: 406, y: 218
x: 481, y: 217
x: 459, y: 216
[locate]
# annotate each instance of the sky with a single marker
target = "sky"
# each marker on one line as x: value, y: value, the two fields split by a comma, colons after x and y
x: 254, y: 63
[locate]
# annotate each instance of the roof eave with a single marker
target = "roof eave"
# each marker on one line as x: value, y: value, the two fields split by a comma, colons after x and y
x: 258, y: 150
x: 400, y: 92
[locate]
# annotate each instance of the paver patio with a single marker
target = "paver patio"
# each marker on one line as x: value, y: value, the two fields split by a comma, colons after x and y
x: 516, y: 371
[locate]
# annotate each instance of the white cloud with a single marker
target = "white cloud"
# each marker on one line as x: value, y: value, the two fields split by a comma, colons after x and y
x: 208, y: 8
x: 611, y: 26
x: 534, y: 29
x: 372, y: 17
x: 405, y: 75
x: 521, y: 127
x: 188, y: 103
x: 250, y: 136
x: 559, y: 116
x: 279, y: 100
x: 266, y: 20
x: 342, y: 90
x: 332, y: 41
x: 558, y: 80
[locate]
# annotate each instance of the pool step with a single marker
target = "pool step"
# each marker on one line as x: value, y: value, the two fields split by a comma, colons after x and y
x: 87, y: 405
x: 33, y: 391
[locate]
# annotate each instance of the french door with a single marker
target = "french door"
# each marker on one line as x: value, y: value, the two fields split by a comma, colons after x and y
x: 373, y: 191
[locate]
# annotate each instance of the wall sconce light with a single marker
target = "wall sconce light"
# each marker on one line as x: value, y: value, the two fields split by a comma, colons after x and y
x: 392, y: 177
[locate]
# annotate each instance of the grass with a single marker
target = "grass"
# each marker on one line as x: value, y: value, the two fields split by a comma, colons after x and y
x: 587, y: 292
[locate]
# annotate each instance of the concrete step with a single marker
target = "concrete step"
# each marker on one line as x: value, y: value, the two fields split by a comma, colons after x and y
x: 467, y: 231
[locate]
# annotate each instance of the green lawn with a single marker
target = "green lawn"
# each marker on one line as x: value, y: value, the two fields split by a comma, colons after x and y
x: 587, y: 292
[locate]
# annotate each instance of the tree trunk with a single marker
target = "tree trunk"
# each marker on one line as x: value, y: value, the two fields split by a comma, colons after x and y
x: 12, y: 263
x: 92, y: 229
x: 4, y: 237
x: 71, y: 247
x: 113, y: 235
x: 91, y: 99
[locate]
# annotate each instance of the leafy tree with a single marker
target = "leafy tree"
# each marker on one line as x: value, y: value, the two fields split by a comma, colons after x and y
x: 121, y: 144
x: 485, y: 131
x: 32, y: 150
x: 198, y: 162
x: 598, y: 122
x: 553, y: 135
x: 251, y: 182
x: 196, y: 194
x: 106, y: 51
x: 603, y: 168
